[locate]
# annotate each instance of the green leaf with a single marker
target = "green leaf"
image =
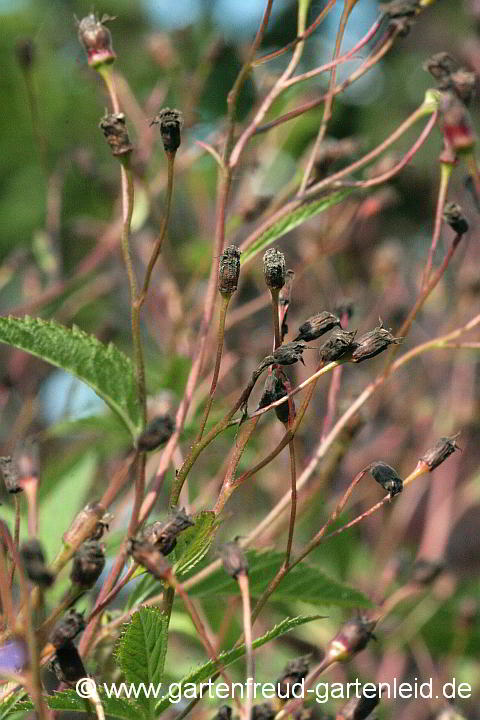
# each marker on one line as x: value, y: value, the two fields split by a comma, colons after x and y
x: 304, y: 582
x: 194, y: 543
x: 11, y: 704
x: 298, y: 216
x: 141, y: 651
x: 206, y: 671
x: 103, y: 367
x: 70, y: 701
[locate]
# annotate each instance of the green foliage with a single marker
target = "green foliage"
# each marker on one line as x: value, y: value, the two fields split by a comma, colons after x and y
x: 292, y: 220
x: 11, y: 704
x: 69, y: 701
x: 194, y: 543
x: 304, y: 582
x: 104, y: 368
x: 141, y: 651
x: 206, y: 671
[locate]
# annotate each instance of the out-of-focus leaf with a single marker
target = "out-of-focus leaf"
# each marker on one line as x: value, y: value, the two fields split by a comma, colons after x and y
x: 194, y: 543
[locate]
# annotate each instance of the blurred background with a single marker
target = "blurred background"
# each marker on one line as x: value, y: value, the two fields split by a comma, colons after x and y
x: 60, y: 258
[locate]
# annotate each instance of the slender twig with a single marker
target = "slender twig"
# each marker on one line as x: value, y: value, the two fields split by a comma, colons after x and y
x: 293, y: 505
x: 445, y: 174
x: 243, y: 585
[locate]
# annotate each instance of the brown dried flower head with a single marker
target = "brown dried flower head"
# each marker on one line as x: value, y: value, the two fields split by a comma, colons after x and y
x: 67, y: 628
x: 163, y: 534
x: 96, y: 39
x: 234, y: 559
x: 453, y: 216
x: 150, y: 557
x: 338, y: 345
x: 274, y: 390
x: 68, y: 664
x: 274, y: 269
x: 170, y: 122
x: 229, y: 270
x: 373, y: 343
x: 157, y: 433
x: 387, y: 477
x: 294, y: 672
x: 34, y: 565
x: 317, y: 325
x: 9, y: 471
x: 88, y: 563
x: 443, y: 448
x: 116, y: 134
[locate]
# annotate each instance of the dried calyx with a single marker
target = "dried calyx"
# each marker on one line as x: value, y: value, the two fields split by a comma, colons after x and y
x: 339, y: 344
x: 10, y: 474
x: 274, y: 390
x: 67, y: 663
x: 67, y: 628
x: 150, y: 556
x: 274, y: 269
x: 163, y: 534
x: 373, y: 343
x: 294, y: 672
x: 229, y: 270
x: 352, y: 637
x: 317, y: 325
x: 157, y: 433
x: 170, y: 122
x: 96, y: 39
x: 387, y: 477
x: 233, y: 559
x: 443, y: 448
x: 453, y: 216
x: 115, y: 130
x: 33, y: 561
x: 88, y: 564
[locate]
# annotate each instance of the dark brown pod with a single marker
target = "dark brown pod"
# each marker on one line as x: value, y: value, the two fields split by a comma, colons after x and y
x: 289, y: 353
x: 359, y: 708
x: 294, y: 672
x: 274, y: 390
x: 9, y: 471
x: 399, y: 9
x: 163, y: 534
x: 229, y: 270
x: 67, y: 628
x: 440, y: 66
x: 33, y: 560
x: 387, y: 477
x: 274, y: 269
x: 353, y: 637
x: 148, y: 555
x: 96, y: 39
x: 68, y: 664
x: 157, y: 433
x: 373, y: 343
x: 442, y: 449
x: 116, y: 134
x: 88, y: 564
x: 339, y: 344
x: 317, y: 325
x: 453, y: 216
x: 233, y: 559
x: 170, y: 122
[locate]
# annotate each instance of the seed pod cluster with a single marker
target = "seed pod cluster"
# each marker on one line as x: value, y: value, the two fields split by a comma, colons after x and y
x: 163, y: 534
x: 317, y: 325
x: 88, y: 564
x: 274, y: 269
x: 10, y: 474
x: 157, y: 433
x: 96, y: 39
x: 373, y: 343
x: 170, y: 122
x: 294, y: 672
x: 442, y: 449
x: 274, y: 390
x: 453, y: 216
x: 150, y: 556
x: 352, y: 637
x: 33, y: 560
x: 387, y: 477
x: 233, y: 559
x: 229, y: 270
x: 67, y: 628
x: 359, y: 708
x: 115, y: 130
x: 338, y: 345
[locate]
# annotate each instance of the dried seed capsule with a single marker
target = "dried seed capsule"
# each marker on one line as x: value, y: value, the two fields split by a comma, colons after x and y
x: 89, y: 523
x: 68, y: 664
x: 229, y: 270
x: 289, y: 353
x: 387, y: 477
x: 163, y: 535
x: 453, y: 216
x: 317, y: 325
x: 442, y: 449
x: 359, y: 708
x: 116, y: 134
x: 294, y: 672
x: 96, y: 39
x: 274, y: 269
x: 440, y: 66
x: 171, y: 123
x: 67, y: 629
x: 234, y: 559
x: 373, y: 343
x: 353, y: 637
x: 463, y: 83
x: 224, y: 713
x: 157, y: 433
x: 263, y: 711
x: 286, y: 291
x: 9, y: 472
x: 425, y: 572
x: 339, y: 344
x: 88, y: 563
x: 33, y: 559
x: 400, y: 9
x: 25, y: 52
x: 273, y: 390
x: 148, y: 555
